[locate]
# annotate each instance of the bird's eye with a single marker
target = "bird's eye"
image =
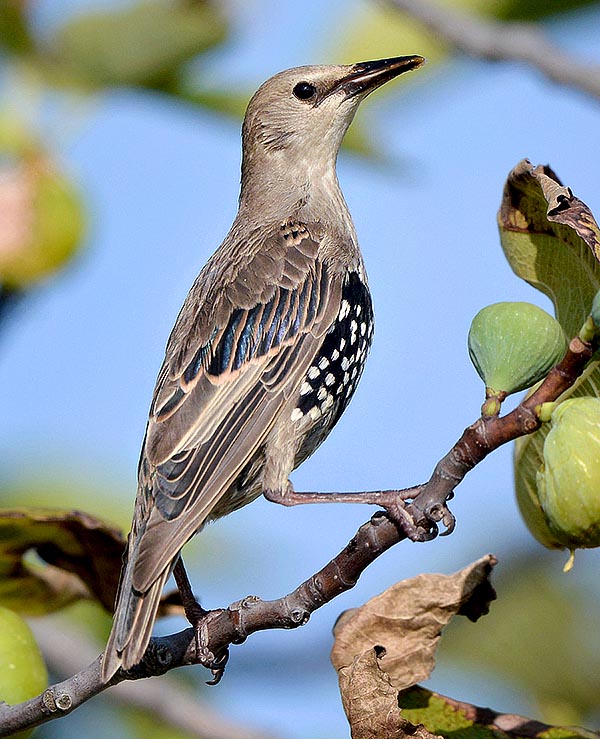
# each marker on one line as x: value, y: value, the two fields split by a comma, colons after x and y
x: 304, y: 91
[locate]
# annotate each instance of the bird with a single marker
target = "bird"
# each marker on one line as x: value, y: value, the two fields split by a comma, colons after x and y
x: 268, y: 347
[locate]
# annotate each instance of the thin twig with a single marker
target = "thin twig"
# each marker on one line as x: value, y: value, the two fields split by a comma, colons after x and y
x: 503, y: 41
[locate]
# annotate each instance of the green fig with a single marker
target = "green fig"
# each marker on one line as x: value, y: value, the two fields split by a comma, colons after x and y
x: 568, y: 482
x: 514, y: 345
x: 23, y: 674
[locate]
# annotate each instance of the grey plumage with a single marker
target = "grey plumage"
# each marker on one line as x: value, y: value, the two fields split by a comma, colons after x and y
x: 269, y: 344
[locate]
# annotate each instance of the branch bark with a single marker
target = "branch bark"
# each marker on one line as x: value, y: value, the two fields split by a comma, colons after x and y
x: 503, y: 41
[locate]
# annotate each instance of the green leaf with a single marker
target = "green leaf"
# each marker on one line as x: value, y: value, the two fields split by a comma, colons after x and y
x: 552, y: 241
x: 447, y: 717
x: 76, y: 556
x: 142, y: 45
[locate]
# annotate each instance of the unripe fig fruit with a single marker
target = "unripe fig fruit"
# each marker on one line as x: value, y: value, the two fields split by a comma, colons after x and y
x: 568, y: 483
x: 514, y: 345
x: 23, y: 674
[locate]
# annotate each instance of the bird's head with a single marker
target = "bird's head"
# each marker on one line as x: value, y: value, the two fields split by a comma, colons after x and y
x: 303, y: 113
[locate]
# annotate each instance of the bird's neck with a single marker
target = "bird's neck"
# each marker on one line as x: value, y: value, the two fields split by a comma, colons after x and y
x: 307, y: 189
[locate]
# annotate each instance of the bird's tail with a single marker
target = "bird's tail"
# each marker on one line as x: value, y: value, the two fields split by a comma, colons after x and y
x: 133, y: 620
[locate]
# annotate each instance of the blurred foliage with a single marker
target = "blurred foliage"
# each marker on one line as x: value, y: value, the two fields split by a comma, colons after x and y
x: 151, y: 44
x: 518, y: 10
x: 142, y: 45
x: 41, y: 214
x: 541, y: 637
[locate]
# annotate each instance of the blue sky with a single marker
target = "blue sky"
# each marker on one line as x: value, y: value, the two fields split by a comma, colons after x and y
x: 161, y: 181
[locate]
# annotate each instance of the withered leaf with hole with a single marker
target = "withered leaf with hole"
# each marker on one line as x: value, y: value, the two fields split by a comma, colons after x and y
x: 78, y: 556
x: 50, y: 558
x: 407, y: 620
x: 370, y: 701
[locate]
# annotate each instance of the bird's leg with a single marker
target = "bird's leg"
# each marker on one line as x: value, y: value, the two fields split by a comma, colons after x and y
x: 193, y: 610
x: 392, y: 501
x: 195, y: 614
x: 290, y: 497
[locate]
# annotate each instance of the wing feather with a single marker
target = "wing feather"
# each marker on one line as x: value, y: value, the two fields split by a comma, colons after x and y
x: 217, y: 401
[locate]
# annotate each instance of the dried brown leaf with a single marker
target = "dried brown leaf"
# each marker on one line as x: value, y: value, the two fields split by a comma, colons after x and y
x: 371, y: 702
x: 407, y: 620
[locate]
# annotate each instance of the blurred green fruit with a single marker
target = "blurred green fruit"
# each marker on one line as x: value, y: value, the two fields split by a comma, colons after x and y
x: 568, y: 483
x: 514, y: 345
x: 23, y: 674
x: 41, y: 216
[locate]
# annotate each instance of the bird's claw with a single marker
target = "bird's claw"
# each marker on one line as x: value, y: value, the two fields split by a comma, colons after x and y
x: 432, y: 514
x: 401, y: 516
x: 419, y: 521
x: 205, y: 656
x: 217, y: 666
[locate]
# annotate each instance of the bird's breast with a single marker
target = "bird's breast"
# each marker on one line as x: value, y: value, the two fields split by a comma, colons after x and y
x: 333, y: 376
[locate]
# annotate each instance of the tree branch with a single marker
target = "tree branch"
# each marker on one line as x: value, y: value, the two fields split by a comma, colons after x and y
x: 233, y: 625
x: 503, y: 41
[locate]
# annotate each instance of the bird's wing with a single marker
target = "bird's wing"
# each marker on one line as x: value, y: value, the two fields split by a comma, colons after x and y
x: 230, y: 366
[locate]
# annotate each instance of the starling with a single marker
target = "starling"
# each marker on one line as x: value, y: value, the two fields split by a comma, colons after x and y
x: 269, y: 345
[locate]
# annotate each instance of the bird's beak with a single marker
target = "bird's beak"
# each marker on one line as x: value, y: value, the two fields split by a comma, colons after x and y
x: 365, y: 77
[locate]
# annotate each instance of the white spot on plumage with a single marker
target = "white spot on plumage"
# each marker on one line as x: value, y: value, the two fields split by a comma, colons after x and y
x: 296, y: 414
x: 315, y: 413
x: 327, y: 403
x: 322, y: 394
x: 329, y: 379
x: 305, y: 388
x: 323, y: 363
x: 314, y: 372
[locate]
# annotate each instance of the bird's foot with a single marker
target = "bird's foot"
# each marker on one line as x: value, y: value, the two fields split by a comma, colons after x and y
x: 199, y: 618
x: 216, y: 663
x: 217, y: 666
